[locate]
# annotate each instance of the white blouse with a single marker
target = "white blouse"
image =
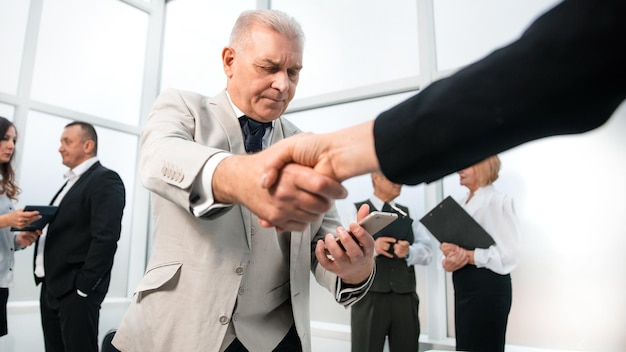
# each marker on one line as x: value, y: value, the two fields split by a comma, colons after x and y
x: 494, y: 211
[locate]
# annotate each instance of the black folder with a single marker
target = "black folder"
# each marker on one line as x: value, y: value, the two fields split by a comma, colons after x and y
x: 449, y: 222
x: 47, y: 213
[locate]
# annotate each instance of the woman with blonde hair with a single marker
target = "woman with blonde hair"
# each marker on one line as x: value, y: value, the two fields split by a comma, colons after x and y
x: 481, y: 276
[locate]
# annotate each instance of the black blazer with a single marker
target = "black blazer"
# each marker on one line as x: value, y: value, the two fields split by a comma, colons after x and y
x: 564, y: 75
x: 82, y: 238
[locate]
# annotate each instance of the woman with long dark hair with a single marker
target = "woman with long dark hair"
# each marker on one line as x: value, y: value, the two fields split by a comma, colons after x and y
x: 9, y: 217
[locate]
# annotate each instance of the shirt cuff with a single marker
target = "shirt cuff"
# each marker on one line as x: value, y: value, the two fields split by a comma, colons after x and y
x: 409, y: 258
x: 81, y: 293
x: 348, y: 295
x: 203, y: 204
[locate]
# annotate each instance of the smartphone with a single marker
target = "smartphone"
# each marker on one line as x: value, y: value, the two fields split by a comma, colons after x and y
x: 372, y: 223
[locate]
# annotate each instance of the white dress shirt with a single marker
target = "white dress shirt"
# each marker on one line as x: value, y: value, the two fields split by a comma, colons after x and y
x: 421, y: 250
x: 494, y: 211
x: 72, y: 176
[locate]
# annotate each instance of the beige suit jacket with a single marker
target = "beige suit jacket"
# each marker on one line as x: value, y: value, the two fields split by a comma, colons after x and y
x: 186, y: 298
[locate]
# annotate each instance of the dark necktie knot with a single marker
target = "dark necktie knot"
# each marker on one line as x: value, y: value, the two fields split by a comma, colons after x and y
x: 253, y: 132
x: 387, y: 208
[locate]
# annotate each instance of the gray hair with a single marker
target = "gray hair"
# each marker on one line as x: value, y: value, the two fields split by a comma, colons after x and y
x: 273, y: 19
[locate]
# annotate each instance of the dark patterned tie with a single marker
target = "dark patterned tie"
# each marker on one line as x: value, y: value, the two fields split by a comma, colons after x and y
x: 253, y: 132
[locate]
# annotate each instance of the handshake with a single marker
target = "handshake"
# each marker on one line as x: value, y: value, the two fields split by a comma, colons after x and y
x: 294, y: 182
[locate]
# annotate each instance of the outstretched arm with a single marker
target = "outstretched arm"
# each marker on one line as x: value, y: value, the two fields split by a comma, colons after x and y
x: 341, y: 154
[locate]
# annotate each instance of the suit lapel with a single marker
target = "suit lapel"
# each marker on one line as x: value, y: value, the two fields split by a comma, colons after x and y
x: 219, y: 108
x: 58, y: 192
x: 82, y: 179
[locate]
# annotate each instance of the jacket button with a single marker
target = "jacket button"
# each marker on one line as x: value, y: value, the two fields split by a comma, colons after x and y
x: 239, y: 270
x: 223, y: 320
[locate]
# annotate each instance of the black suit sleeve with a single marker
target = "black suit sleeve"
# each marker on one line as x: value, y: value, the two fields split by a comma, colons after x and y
x: 564, y: 75
x: 106, y: 205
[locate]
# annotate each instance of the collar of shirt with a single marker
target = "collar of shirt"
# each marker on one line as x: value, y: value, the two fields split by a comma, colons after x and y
x: 378, y: 203
x: 75, y: 173
x: 239, y: 113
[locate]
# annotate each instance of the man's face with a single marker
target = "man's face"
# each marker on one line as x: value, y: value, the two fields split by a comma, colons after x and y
x: 7, y: 145
x: 262, y: 76
x: 73, y: 149
x: 384, y: 189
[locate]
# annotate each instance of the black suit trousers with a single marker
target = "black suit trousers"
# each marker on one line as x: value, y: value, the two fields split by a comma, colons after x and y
x: 391, y: 315
x: 70, y: 322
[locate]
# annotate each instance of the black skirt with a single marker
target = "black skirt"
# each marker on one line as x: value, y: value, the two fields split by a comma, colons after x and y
x: 4, y: 298
x: 482, y: 301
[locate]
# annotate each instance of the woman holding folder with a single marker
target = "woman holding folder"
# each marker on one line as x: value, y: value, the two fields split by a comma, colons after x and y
x: 481, y: 276
x: 9, y: 217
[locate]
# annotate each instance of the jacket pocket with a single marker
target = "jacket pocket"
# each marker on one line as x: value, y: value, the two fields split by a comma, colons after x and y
x: 278, y: 295
x: 157, y: 277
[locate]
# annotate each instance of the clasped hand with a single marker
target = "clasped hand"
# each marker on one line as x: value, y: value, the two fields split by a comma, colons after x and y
x: 455, y: 257
x: 400, y: 247
x: 295, y: 181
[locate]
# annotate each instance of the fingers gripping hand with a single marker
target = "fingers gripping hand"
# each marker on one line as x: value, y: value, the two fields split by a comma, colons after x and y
x: 300, y: 196
x: 401, y: 248
x: 305, y: 149
x: 456, y: 259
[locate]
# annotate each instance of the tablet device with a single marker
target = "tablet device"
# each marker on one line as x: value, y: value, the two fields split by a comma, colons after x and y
x: 449, y: 222
x: 47, y: 213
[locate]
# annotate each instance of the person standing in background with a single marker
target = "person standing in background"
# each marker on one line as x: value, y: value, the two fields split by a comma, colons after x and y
x: 481, y: 276
x: 74, y: 255
x: 390, y: 308
x: 9, y: 217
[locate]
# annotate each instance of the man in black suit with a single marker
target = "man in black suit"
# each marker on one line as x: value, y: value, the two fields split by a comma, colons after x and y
x: 74, y: 255
x: 390, y: 307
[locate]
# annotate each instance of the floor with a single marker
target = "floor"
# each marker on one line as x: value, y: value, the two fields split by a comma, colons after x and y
x: 335, y: 345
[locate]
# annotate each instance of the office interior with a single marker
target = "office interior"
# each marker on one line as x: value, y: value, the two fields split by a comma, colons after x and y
x: 105, y: 61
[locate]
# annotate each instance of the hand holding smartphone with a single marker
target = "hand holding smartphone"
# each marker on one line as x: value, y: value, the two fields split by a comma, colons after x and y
x: 372, y: 223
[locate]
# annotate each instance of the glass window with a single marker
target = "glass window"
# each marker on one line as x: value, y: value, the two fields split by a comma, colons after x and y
x: 465, y: 31
x: 41, y: 176
x: 7, y: 111
x: 92, y: 62
x: 196, y: 31
x: 353, y: 43
x: 13, y: 18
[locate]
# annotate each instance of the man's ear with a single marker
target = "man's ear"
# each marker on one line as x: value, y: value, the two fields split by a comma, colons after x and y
x: 89, y: 146
x: 228, y: 59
